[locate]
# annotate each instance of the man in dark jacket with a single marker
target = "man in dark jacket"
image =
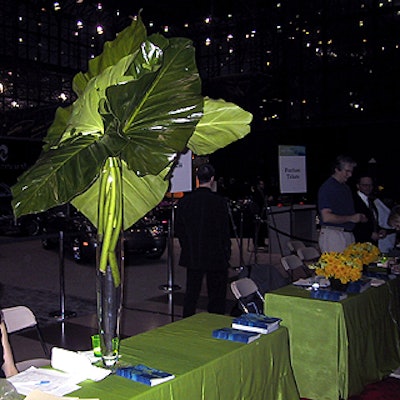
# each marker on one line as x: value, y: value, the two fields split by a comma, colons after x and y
x: 364, y: 202
x: 202, y: 227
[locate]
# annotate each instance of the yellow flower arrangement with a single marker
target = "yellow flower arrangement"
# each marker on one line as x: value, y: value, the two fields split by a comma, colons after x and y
x: 367, y: 252
x: 348, y: 265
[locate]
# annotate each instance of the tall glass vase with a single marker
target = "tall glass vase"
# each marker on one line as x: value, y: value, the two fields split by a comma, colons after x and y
x: 110, y: 260
x: 109, y: 307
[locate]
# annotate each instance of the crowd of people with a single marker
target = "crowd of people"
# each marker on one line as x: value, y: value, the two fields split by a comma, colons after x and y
x: 348, y: 215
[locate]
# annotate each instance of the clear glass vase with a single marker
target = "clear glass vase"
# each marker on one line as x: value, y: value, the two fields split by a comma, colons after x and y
x: 109, y: 308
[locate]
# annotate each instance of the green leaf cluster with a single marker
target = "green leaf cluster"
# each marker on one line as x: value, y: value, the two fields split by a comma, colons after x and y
x: 139, y: 103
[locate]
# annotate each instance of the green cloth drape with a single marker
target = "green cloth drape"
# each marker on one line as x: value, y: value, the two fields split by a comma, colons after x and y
x: 205, y: 368
x: 339, y: 347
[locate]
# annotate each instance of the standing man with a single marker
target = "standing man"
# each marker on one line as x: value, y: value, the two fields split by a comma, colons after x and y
x: 202, y: 227
x: 336, y: 208
x: 364, y: 203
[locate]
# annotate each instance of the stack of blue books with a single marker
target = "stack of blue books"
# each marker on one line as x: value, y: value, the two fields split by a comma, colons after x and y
x: 328, y: 294
x: 144, y: 374
x: 235, y: 335
x: 359, y: 286
x: 256, y: 323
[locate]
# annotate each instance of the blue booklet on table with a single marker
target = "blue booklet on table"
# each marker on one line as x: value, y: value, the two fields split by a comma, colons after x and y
x: 235, y: 335
x: 256, y: 323
x: 144, y: 374
x: 359, y: 286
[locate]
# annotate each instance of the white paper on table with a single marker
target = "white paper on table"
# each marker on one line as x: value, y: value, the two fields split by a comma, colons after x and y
x: 322, y: 282
x: 49, y: 381
x: 90, y: 355
x: 37, y: 394
x: 375, y: 282
x: 76, y: 364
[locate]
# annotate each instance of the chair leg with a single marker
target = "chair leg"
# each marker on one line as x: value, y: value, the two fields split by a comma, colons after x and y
x: 245, y: 309
x: 42, y: 342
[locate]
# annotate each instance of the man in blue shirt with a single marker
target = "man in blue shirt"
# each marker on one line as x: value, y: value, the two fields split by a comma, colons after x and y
x: 336, y: 208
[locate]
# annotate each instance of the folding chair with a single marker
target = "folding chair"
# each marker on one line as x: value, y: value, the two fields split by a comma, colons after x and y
x: 21, y: 318
x: 308, y: 254
x: 295, y: 267
x: 294, y: 245
x: 248, y: 295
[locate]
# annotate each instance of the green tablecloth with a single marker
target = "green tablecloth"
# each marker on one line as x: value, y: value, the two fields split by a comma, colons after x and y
x: 339, y: 347
x: 205, y: 368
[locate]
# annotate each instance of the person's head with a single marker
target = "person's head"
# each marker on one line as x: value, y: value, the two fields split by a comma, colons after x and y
x: 394, y: 217
x: 365, y: 184
x: 260, y: 184
x: 205, y: 173
x: 343, y: 168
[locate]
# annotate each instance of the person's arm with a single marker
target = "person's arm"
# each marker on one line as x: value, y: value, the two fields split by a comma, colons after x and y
x: 328, y: 216
x: 9, y: 367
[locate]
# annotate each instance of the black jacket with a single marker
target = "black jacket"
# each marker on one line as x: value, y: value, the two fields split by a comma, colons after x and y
x: 363, y: 230
x: 202, y: 227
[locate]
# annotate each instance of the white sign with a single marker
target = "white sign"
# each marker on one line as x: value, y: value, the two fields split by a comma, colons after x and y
x: 181, y: 180
x: 292, y: 169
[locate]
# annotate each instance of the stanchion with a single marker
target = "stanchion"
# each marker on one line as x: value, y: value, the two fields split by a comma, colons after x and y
x: 62, y: 314
x: 239, y: 239
x: 170, y: 286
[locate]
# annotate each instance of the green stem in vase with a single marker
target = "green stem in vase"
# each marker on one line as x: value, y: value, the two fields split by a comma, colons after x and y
x: 110, y: 216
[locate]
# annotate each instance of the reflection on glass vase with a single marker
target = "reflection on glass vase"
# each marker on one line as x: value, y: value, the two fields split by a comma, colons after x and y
x: 109, y: 307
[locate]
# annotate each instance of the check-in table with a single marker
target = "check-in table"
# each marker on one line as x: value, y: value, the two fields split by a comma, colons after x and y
x: 339, y: 347
x: 205, y: 368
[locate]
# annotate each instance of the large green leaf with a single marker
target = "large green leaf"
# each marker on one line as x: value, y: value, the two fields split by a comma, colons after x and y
x: 222, y: 124
x: 127, y: 42
x: 140, y: 101
x: 48, y: 183
x: 141, y: 194
x: 85, y: 117
x: 57, y: 128
x: 159, y: 124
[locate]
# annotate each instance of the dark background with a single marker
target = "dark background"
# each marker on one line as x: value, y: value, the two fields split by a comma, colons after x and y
x: 321, y: 74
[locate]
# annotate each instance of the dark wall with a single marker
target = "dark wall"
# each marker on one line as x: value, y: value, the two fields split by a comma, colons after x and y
x: 257, y: 154
x: 16, y: 156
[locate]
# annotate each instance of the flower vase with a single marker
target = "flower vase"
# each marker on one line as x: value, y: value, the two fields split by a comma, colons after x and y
x: 336, y: 284
x: 109, y: 307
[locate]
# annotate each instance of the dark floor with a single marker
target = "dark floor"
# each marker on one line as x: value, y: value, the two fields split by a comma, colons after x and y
x: 62, y: 293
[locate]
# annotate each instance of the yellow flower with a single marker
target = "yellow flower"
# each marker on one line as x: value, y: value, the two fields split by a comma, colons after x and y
x: 367, y: 252
x: 348, y: 265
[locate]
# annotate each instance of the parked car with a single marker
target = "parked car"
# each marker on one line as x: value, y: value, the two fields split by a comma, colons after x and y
x: 147, y: 237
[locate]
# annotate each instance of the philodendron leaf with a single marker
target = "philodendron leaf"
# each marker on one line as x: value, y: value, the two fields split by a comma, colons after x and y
x: 57, y: 128
x: 59, y: 175
x: 141, y: 194
x: 222, y: 124
x: 140, y: 101
x: 156, y: 118
x: 85, y: 117
x: 127, y: 42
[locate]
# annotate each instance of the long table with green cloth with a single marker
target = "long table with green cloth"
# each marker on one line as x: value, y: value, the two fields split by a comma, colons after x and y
x: 339, y: 347
x: 204, y: 367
